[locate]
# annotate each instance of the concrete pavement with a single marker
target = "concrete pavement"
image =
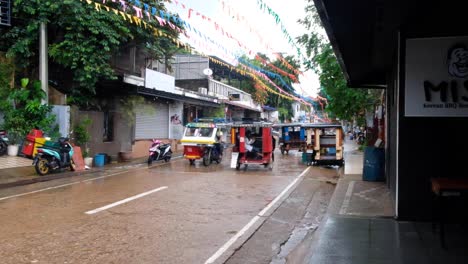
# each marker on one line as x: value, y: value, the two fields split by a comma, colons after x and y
x: 360, y: 228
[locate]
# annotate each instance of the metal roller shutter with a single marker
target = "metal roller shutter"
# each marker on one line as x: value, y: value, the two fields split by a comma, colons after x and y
x: 154, y: 125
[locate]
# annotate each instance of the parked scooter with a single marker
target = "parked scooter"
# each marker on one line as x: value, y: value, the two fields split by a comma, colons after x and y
x: 52, y: 158
x: 159, y: 151
x: 3, y: 142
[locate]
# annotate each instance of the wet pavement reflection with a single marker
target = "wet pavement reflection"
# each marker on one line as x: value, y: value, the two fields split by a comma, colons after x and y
x: 201, y: 208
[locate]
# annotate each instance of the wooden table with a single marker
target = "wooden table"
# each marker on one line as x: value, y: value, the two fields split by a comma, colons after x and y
x: 443, y: 189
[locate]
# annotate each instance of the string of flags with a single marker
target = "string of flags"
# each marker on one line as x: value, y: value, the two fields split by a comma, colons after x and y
x: 150, y: 13
x: 218, y: 27
x: 290, y: 40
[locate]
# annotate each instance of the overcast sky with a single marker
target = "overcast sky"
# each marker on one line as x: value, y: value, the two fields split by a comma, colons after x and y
x: 255, y: 29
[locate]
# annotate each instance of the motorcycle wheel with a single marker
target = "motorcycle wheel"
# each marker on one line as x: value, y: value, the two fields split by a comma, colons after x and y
x: 207, y: 158
x: 219, y: 159
x: 3, y: 148
x: 150, y: 160
x: 167, y: 159
x: 42, y: 167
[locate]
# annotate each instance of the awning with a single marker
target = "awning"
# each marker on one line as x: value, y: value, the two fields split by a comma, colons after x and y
x: 362, y: 37
x: 210, y: 102
x: 234, y: 103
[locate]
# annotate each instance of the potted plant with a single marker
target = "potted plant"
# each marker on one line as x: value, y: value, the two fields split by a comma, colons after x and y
x: 14, y: 139
x: 82, y: 137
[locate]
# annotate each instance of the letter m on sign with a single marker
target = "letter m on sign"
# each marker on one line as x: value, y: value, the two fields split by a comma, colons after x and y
x: 5, y: 13
x: 429, y: 88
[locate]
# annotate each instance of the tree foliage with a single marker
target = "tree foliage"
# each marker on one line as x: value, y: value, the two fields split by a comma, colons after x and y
x: 342, y: 102
x: 23, y: 110
x: 81, y: 40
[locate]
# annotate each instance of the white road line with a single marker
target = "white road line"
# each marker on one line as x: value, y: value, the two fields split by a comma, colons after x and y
x: 349, y: 192
x: 105, y: 176
x: 41, y: 190
x: 60, y: 186
x: 68, y: 184
x: 125, y: 200
x: 262, y: 213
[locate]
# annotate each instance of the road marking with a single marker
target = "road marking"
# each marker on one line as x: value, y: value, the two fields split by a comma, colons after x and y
x: 349, y: 192
x: 73, y: 183
x: 50, y: 188
x: 261, y: 214
x: 125, y: 200
x: 105, y: 176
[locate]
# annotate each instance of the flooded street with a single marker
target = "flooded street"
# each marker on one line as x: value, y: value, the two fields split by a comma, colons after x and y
x: 168, y: 213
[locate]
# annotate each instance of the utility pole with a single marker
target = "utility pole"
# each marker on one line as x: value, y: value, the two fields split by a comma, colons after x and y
x: 43, y: 62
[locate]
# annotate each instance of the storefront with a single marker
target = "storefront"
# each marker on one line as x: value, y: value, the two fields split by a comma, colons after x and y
x: 417, y: 51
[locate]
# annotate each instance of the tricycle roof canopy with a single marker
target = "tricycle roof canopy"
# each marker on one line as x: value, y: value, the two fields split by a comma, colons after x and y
x: 248, y: 124
x: 321, y: 125
x: 310, y: 125
x: 201, y: 124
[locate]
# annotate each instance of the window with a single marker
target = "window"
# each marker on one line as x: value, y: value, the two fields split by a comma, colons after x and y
x: 108, y: 134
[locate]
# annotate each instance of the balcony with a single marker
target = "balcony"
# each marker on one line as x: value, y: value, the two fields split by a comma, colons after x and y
x: 231, y: 95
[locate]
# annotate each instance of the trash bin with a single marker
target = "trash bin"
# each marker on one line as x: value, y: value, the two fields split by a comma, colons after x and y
x: 307, y: 158
x: 99, y: 160
x: 374, y: 164
x: 107, y: 158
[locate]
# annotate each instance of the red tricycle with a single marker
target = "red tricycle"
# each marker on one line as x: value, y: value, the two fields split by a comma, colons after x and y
x: 253, y: 144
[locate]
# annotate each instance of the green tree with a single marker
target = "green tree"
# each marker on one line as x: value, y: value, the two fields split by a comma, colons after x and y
x: 342, y: 102
x: 81, y: 40
x: 23, y: 110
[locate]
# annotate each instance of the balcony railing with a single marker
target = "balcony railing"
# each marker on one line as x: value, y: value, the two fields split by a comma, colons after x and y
x: 227, y: 92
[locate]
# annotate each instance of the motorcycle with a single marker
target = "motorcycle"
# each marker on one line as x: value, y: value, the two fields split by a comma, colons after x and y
x: 212, y: 153
x: 360, y: 138
x: 159, y: 151
x: 3, y: 142
x: 52, y: 158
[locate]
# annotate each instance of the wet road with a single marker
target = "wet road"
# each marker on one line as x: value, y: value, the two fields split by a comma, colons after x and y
x: 169, y: 213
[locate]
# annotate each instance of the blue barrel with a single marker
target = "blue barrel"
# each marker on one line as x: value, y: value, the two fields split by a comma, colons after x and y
x: 99, y: 160
x: 374, y: 164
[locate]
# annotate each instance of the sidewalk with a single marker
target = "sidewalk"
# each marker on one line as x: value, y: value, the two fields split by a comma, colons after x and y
x: 360, y: 228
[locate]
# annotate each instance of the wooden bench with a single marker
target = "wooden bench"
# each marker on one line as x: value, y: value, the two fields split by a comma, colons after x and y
x: 443, y: 189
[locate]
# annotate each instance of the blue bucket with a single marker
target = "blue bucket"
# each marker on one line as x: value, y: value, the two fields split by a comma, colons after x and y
x: 99, y: 160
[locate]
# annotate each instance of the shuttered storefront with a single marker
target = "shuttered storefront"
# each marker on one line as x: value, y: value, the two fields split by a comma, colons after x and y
x: 154, y: 124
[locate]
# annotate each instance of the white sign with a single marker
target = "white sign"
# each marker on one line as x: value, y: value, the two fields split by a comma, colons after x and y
x: 159, y: 81
x: 436, y: 77
x: 234, y: 157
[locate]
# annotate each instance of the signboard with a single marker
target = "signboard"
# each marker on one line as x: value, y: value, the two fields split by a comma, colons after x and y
x: 5, y: 13
x: 159, y: 81
x: 234, y: 158
x: 436, y: 77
